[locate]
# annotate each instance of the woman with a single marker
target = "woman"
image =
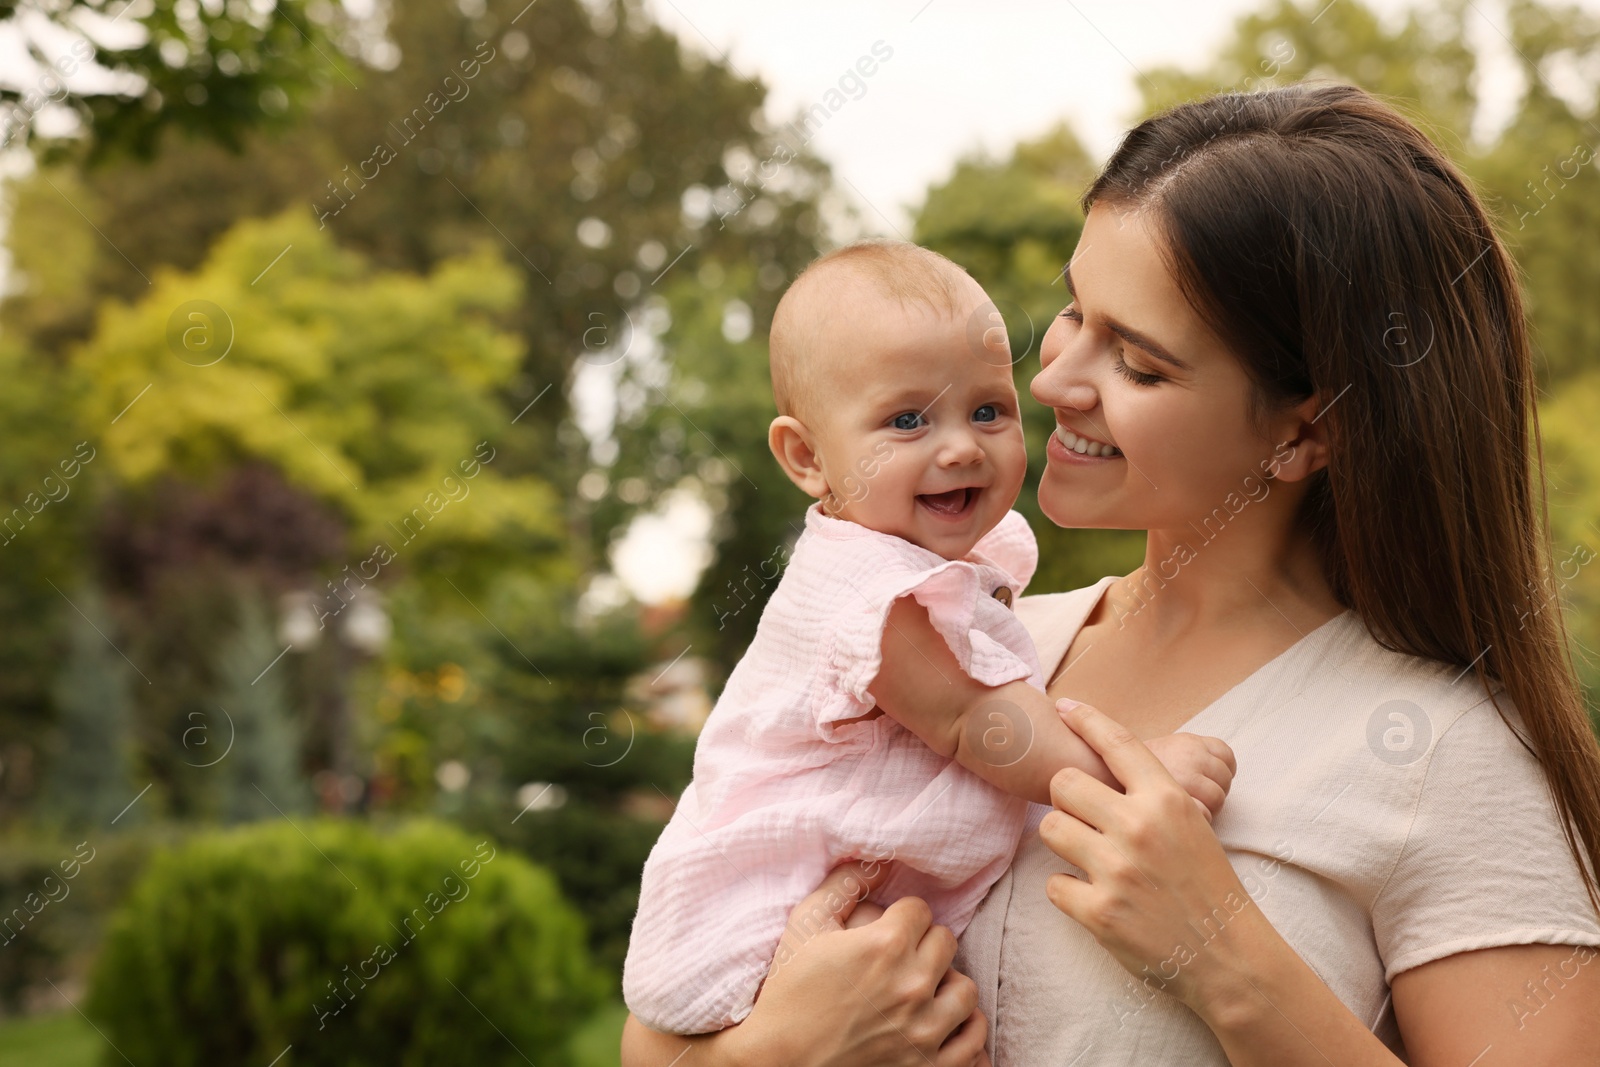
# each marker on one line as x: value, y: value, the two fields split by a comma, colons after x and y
x: 1294, y: 323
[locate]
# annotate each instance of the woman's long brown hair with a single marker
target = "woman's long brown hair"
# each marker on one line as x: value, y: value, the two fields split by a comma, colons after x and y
x: 1340, y: 253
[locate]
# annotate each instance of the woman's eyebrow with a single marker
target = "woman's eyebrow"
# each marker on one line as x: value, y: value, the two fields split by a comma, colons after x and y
x: 1139, y: 340
x: 1133, y: 337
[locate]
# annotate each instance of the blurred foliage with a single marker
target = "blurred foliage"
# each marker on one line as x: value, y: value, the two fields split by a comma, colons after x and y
x: 94, y: 719
x: 415, y: 946
x: 258, y: 756
x: 1572, y: 451
x: 366, y: 389
x: 44, y: 515
x: 58, y: 891
x: 211, y: 69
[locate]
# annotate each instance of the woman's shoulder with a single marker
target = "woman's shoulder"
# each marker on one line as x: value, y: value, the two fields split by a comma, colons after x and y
x: 1041, y: 612
x: 1053, y: 619
x: 1445, y: 699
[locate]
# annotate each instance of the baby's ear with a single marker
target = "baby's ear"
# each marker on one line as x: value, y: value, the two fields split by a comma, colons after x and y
x: 792, y: 446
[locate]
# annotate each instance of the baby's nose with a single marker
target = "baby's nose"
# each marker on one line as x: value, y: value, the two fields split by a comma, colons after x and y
x: 961, y: 448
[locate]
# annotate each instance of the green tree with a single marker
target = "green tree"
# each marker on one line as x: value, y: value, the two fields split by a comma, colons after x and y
x: 48, y: 480
x: 212, y: 70
x: 1424, y: 63
x: 369, y: 389
x: 260, y: 773
x: 289, y: 418
x: 571, y: 138
x: 91, y: 775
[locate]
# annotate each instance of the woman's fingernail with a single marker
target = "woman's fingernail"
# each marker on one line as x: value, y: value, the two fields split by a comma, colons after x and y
x: 1067, y: 704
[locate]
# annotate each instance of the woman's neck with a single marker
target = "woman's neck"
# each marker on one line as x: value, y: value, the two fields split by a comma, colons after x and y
x: 1218, y: 577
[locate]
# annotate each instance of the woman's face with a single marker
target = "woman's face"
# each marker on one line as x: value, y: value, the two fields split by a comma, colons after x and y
x: 1130, y: 364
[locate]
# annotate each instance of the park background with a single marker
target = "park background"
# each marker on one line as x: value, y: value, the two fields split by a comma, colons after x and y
x: 384, y: 492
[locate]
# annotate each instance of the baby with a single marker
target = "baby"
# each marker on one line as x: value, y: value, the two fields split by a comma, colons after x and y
x: 904, y: 425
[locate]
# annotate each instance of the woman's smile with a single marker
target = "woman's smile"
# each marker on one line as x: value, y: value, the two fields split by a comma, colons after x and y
x: 1085, y: 446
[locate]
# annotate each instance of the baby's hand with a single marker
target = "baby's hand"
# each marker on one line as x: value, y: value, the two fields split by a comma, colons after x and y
x: 1204, y: 766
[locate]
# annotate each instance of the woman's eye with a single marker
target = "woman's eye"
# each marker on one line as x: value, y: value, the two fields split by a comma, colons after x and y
x: 1135, y: 376
x: 1071, y: 312
x: 987, y: 413
x: 910, y: 420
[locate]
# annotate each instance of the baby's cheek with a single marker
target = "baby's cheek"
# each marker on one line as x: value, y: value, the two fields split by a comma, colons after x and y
x: 1012, y: 460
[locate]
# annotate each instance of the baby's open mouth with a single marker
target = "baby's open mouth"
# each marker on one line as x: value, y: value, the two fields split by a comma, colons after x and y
x: 955, y: 504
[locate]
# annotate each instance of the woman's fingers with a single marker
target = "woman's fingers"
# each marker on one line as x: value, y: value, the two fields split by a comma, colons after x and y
x: 936, y: 949
x: 958, y: 995
x: 865, y: 912
x: 957, y: 998
x: 845, y: 886
x: 1072, y: 897
x: 1072, y: 839
x: 964, y: 1047
x: 1079, y: 793
x: 1130, y: 760
x: 829, y: 907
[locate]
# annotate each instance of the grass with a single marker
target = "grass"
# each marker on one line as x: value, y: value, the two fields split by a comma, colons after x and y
x: 62, y: 1040
x: 65, y: 1040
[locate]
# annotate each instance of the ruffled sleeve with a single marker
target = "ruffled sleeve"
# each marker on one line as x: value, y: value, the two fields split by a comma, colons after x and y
x: 1011, y: 547
x: 869, y: 573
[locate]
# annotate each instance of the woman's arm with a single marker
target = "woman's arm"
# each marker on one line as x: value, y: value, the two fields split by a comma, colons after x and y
x: 1520, y: 1004
x: 1156, y: 874
x: 885, y: 989
x: 1009, y: 735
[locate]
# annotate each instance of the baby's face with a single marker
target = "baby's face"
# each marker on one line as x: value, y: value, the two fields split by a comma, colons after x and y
x: 916, y: 424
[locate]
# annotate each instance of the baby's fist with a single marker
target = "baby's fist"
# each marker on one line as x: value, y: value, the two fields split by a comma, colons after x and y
x: 1204, y: 766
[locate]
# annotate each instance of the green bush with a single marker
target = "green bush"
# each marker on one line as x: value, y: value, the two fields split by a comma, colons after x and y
x: 56, y: 895
x: 417, y: 947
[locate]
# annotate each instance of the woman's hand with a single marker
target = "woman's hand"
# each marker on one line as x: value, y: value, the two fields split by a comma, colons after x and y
x: 1158, y: 891
x: 843, y: 993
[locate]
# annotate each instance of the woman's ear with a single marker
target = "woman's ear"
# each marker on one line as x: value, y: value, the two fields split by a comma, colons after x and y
x: 796, y: 453
x: 1303, y: 437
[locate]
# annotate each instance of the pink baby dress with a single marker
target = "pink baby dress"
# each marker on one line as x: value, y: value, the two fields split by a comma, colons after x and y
x: 783, y: 792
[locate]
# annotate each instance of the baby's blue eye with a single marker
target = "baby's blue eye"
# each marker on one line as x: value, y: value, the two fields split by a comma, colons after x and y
x: 987, y: 413
x: 910, y: 420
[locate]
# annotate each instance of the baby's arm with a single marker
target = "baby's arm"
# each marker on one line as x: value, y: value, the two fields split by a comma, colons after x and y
x: 1009, y: 735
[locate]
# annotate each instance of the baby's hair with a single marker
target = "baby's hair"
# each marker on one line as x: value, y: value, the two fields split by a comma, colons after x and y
x: 898, y: 269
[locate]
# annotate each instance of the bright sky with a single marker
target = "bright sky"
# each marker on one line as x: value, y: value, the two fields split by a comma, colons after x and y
x: 966, y: 76
x: 960, y: 77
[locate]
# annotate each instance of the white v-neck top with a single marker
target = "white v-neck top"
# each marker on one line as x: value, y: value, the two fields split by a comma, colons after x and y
x: 1383, y: 816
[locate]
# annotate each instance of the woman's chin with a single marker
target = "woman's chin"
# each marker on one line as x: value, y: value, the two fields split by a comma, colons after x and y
x: 1078, y: 507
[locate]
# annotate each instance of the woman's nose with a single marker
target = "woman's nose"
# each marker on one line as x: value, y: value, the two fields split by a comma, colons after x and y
x: 1061, y: 382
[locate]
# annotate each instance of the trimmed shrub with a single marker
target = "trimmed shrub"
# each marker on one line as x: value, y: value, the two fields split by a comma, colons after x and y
x: 417, y: 947
x: 57, y: 894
